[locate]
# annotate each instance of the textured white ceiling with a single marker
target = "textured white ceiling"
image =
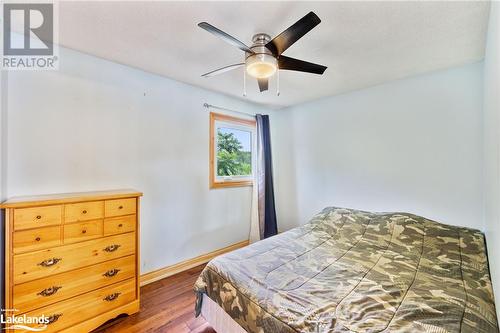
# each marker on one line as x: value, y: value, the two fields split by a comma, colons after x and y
x: 362, y: 43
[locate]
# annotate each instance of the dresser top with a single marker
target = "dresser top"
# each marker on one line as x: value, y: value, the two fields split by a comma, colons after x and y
x: 61, y: 198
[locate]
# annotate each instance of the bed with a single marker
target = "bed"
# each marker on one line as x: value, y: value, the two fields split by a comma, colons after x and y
x: 354, y: 271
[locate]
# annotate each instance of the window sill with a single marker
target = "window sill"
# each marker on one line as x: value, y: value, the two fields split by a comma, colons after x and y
x: 231, y: 184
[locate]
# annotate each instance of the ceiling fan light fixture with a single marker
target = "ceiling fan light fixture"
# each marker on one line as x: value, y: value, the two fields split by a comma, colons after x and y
x: 264, y: 57
x: 261, y: 66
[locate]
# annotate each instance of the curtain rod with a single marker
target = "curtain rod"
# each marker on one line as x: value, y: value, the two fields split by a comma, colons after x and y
x: 208, y: 106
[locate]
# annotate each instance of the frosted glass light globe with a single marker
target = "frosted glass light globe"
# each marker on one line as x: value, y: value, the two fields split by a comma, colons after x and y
x: 261, y: 66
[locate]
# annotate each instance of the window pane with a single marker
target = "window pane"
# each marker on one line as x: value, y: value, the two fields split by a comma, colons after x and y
x: 234, y: 152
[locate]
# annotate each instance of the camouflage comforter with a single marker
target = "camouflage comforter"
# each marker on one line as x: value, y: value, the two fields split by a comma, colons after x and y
x: 355, y: 271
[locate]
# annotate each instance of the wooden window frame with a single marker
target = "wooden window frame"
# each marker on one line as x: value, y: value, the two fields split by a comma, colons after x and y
x: 229, y: 119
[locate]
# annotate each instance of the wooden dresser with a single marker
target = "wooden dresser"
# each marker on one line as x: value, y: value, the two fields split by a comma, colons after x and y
x: 73, y: 257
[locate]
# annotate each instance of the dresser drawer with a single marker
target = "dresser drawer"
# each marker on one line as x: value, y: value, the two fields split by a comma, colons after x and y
x: 26, y: 218
x: 81, y: 231
x: 36, y: 239
x: 77, y: 309
x: 83, y: 211
x: 39, y: 264
x: 120, y: 207
x: 118, y: 225
x: 42, y: 292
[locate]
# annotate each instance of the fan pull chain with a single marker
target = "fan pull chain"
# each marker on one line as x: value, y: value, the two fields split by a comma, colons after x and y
x: 278, y: 82
x: 244, y: 82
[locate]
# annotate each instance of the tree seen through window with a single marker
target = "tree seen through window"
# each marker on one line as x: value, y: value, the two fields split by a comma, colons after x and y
x: 234, y: 155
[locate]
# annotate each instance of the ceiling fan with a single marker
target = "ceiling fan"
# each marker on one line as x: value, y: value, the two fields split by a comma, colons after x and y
x: 264, y: 58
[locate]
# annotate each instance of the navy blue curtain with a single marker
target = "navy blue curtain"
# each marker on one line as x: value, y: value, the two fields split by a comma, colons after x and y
x: 270, y: 223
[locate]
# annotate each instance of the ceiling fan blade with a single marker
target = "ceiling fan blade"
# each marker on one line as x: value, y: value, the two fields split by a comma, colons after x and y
x: 226, y: 37
x: 293, y: 64
x: 222, y: 70
x: 263, y: 84
x: 285, y: 39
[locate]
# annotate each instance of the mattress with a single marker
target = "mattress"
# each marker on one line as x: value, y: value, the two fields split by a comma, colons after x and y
x: 219, y: 320
x: 355, y: 271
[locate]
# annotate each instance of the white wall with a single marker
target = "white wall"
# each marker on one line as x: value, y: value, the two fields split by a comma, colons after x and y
x: 3, y: 133
x: 492, y: 147
x: 96, y: 125
x: 411, y: 145
x: 3, y: 169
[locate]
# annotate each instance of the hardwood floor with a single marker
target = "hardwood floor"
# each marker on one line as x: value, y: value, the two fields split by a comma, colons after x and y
x: 166, y: 306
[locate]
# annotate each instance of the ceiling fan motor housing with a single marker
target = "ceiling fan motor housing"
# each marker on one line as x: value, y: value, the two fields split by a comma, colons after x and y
x: 262, y: 63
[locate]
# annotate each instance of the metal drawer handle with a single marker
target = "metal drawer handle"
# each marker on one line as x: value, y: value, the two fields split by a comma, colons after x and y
x: 84, y: 211
x: 112, y: 248
x: 111, y: 297
x: 111, y: 272
x: 38, y: 239
x: 53, y: 318
x: 38, y: 217
x: 120, y: 207
x: 49, y: 262
x: 49, y: 291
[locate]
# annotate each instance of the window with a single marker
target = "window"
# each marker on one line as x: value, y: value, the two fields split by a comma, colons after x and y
x: 231, y: 151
